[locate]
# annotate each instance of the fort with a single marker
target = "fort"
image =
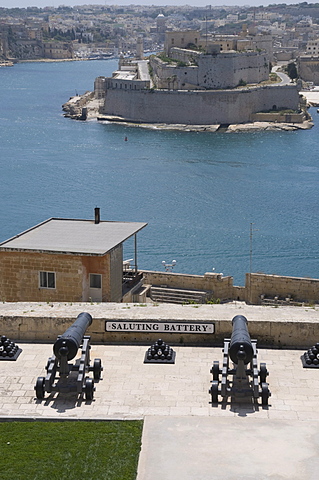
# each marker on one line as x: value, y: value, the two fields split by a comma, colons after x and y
x: 197, y: 82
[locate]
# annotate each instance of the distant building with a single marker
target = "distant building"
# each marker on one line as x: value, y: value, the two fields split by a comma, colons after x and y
x: 68, y: 260
x: 313, y: 47
x: 160, y: 23
x: 58, y: 50
x: 139, y: 48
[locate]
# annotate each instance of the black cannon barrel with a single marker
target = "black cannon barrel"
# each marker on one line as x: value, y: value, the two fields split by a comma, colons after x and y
x: 240, y: 347
x: 69, y: 342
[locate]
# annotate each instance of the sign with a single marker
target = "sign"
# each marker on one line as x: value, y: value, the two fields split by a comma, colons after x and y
x: 159, y: 327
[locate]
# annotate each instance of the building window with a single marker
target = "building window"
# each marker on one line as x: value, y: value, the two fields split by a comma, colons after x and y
x: 95, y: 280
x: 47, y: 279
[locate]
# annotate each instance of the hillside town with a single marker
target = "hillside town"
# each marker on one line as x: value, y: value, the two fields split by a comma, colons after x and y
x: 289, y: 33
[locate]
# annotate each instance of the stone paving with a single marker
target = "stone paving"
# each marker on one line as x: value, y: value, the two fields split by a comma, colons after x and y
x: 131, y: 389
x: 184, y: 436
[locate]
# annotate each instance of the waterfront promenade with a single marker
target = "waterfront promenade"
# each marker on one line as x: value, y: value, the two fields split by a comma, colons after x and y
x: 184, y: 436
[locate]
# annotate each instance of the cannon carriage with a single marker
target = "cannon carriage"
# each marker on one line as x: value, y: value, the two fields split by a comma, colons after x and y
x: 65, y: 349
x: 242, y: 381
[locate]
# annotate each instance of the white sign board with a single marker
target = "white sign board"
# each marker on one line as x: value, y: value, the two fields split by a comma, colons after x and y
x: 160, y: 327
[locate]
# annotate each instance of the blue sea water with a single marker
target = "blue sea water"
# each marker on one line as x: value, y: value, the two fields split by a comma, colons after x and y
x: 199, y: 192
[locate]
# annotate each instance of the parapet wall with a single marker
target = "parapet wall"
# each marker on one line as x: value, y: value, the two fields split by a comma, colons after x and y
x: 42, y: 323
x: 294, y: 289
x: 257, y: 285
x: 198, y: 106
x: 281, y: 118
x: 219, y: 287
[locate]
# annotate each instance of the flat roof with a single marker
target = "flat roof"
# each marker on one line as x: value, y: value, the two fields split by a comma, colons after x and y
x: 61, y: 235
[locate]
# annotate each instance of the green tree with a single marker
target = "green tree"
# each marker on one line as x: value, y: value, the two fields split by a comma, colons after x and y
x: 292, y: 70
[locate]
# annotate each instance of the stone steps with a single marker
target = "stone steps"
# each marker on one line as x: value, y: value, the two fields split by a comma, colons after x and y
x: 178, y: 296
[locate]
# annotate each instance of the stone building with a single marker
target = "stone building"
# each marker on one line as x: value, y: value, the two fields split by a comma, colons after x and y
x: 313, y: 47
x: 68, y: 260
x: 308, y: 68
x: 58, y: 50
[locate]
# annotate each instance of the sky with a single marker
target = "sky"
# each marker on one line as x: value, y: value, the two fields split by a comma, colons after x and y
x: 197, y: 3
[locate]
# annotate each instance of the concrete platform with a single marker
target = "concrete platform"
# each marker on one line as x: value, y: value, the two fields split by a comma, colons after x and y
x: 241, y: 448
x: 184, y: 436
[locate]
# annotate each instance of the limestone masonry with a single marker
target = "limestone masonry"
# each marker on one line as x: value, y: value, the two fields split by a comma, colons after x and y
x: 42, y: 322
x: 195, y: 85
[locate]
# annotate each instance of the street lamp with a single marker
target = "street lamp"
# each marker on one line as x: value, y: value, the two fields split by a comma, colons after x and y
x: 169, y: 266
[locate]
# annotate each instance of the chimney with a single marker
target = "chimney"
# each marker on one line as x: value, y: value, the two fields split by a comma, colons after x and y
x: 96, y: 215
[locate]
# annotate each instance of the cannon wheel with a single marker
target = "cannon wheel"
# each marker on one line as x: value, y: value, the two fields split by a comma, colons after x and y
x: 263, y: 373
x: 215, y: 370
x: 264, y: 394
x: 89, y: 388
x: 214, y: 391
x: 97, y: 369
x: 39, y: 388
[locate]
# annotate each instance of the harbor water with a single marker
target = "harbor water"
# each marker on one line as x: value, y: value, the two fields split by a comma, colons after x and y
x: 213, y: 201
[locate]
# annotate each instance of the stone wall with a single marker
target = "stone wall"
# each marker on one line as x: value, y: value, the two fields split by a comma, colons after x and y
x: 219, y: 287
x: 116, y: 273
x: 296, y: 289
x: 222, y: 70
x: 308, y: 68
x: 276, y: 117
x: 282, y: 327
x: 181, y: 39
x: 257, y: 284
x: 19, y: 277
x: 198, y: 107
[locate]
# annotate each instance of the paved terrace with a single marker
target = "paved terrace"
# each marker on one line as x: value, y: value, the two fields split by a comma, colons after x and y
x: 184, y: 436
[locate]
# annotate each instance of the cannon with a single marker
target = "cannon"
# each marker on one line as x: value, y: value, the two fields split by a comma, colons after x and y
x: 65, y: 349
x: 243, y: 380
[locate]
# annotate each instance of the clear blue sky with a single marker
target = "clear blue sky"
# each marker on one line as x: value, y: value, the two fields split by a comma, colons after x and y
x: 198, y: 3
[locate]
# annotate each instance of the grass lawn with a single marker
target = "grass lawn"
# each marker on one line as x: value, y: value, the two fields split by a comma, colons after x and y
x: 70, y: 450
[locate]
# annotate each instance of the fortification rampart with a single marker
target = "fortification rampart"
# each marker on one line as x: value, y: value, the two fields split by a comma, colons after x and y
x: 283, y: 326
x: 221, y: 70
x: 259, y: 288
x: 308, y: 68
x: 198, y: 106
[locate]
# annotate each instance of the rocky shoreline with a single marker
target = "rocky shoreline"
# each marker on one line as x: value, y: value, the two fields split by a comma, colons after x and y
x: 86, y: 107
x: 242, y: 127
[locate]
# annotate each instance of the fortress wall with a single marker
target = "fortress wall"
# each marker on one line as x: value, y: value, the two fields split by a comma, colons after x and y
x: 308, y: 69
x: 224, y: 70
x: 275, y: 117
x: 257, y: 284
x: 299, y: 289
x: 220, y: 287
x: 164, y: 73
x: 282, y: 327
x: 228, y: 69
x: 197, y: 107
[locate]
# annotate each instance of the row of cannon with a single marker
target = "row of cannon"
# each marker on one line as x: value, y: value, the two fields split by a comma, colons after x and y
x: 238, y: 377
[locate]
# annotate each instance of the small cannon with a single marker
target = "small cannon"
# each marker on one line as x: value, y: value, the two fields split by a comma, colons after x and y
x: 246, y: 380
x: 65, y: 348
